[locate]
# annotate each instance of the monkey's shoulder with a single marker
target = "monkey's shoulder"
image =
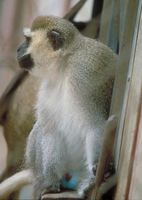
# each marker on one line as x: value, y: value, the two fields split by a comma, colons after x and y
x: 89, y: 51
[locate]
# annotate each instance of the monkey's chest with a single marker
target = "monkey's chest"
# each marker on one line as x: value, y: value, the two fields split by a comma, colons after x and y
x: 64, y: 119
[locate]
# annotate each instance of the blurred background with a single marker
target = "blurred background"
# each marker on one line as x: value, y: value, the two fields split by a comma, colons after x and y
x: 121, y: 26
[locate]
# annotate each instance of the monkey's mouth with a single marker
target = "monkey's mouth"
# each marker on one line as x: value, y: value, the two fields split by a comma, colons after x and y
x: 26, y: 62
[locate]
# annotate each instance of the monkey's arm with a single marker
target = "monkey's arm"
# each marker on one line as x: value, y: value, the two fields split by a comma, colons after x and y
x: 15, y: 182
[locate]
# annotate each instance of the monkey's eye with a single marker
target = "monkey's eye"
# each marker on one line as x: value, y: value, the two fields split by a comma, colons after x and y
x: 56, y: 39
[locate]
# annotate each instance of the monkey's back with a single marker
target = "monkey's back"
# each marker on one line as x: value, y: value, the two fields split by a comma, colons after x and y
x: 80, y: 101
x: 92, y: 74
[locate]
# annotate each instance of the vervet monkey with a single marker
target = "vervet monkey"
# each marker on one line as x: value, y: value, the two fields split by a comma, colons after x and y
x: 77, y: 75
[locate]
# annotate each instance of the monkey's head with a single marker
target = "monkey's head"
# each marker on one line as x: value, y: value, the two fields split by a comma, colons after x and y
x: 48, y: 43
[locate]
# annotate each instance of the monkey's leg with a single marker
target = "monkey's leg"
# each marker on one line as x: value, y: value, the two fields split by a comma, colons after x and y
x: 93, y: 146
x: 48, y: 176
x: 45, y: 155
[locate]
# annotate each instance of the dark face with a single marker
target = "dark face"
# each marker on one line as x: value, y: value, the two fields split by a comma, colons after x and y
x: 25, y: 60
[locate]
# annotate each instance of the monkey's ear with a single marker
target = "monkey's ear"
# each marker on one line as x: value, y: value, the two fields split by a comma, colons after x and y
x: 56, y: 40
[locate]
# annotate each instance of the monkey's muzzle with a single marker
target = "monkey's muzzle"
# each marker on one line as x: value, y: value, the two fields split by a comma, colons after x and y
x: 25, y: 60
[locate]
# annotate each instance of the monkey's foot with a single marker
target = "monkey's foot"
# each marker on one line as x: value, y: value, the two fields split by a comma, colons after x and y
x: 86, y: 186
x: 54, y: 188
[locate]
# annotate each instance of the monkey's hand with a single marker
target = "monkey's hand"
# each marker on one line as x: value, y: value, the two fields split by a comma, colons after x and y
x: 94, y: 169
x: 110, y: 171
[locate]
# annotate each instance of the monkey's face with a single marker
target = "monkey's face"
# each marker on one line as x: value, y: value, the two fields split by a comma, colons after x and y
x: 47, y: 46
x: 24, y: 58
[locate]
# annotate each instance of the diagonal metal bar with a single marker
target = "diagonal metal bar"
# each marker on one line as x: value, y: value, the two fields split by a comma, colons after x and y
x: 71, y: 14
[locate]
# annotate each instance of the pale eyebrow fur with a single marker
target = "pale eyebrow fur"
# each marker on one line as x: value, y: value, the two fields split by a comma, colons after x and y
x: 27, y: 32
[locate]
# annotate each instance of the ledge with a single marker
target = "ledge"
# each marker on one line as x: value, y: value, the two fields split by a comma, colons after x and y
x: 65, y: 195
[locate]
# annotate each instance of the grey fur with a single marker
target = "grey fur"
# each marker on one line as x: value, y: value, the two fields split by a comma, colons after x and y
x: 72, y: 105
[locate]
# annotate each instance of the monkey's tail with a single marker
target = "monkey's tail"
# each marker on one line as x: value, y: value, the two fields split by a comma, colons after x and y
x: 15, y: 182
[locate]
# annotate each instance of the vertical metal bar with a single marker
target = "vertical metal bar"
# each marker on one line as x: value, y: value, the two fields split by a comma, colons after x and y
x: 130, y: 113
x: 124, y: 71
x: 113, y: 38
x: 105, y: 21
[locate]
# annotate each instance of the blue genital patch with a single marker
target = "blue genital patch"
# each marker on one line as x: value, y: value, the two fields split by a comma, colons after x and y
x: 72, y: 183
